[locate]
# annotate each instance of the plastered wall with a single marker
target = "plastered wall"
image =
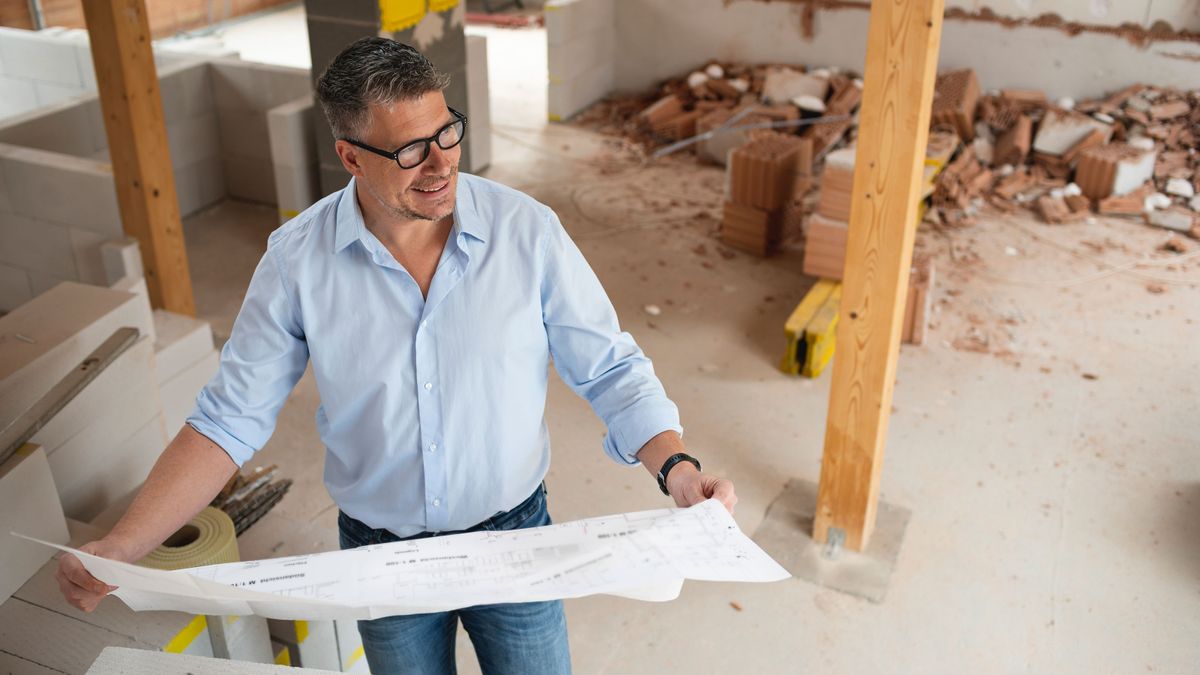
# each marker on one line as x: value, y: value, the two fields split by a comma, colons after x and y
x: 656, y: 40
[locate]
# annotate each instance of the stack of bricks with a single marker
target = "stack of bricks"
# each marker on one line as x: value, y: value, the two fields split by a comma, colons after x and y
x: 955, y: 96
x: 764, y: 176
x: 919, y: 305
x: 825, y: 240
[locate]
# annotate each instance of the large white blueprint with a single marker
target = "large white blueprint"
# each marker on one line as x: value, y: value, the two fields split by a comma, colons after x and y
x: 645, y: 555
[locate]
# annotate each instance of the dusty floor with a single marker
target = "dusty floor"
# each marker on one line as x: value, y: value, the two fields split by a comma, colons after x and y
x: 1045, y: 438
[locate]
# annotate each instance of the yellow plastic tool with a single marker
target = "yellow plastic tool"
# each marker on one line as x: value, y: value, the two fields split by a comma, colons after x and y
x: 794, y: 328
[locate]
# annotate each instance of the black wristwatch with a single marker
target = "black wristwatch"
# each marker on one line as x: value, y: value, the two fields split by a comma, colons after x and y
x: 670, y: 464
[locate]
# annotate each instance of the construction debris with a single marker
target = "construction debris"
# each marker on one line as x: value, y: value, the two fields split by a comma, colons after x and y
x: 248, y: 497
x: 764, y: 176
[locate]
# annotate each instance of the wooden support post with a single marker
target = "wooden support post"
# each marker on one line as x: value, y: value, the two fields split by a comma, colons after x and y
x: 902, y: 50
x: 137, y: 145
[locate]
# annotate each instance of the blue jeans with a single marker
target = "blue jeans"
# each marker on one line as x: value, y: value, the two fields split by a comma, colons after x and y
x: 519, y: 638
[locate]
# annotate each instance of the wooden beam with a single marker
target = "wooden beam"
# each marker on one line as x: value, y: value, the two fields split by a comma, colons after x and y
x: 137, y: 145
x: 902, y: 49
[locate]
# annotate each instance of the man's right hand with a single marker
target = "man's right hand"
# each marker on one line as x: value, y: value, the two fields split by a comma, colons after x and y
x: 78, y: 586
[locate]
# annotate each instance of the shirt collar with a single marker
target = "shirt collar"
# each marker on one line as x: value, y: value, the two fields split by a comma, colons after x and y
x: 350, y: 226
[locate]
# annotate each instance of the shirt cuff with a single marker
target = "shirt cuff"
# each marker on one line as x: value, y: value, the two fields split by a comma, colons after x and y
x: 629, y: 431
x: 238, y: 451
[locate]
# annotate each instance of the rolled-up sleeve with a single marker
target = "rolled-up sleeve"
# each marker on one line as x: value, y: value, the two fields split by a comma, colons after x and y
x: 260, y: 365
x: 599, y: 361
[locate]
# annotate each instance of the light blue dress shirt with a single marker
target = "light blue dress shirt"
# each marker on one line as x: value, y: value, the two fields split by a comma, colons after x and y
x: 431, y: 408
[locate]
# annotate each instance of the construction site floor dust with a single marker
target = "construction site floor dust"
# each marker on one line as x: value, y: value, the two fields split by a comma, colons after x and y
x: 1045, y: 437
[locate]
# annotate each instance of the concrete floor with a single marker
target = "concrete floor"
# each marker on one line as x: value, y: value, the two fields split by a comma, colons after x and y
x: 1045, y: 437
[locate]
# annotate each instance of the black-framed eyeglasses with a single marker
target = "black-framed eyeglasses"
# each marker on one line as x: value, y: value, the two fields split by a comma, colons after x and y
x: 411, y: 154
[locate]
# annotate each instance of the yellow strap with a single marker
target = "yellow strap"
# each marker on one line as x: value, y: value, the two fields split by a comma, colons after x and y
x: 284, y: 657
x: 184, y: 638
x: 301, y: 631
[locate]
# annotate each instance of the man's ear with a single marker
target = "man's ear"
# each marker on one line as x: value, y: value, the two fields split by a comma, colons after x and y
x: 350, y: 157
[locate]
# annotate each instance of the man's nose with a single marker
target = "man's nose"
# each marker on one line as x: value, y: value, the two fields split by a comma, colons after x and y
x: 438, y: 159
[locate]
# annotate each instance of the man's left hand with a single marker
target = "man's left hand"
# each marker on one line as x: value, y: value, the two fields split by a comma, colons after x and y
x: 689, y: 486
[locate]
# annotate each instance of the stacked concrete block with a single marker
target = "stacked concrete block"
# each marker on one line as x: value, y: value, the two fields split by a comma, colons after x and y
x: 243, y: 94
x: 46, y: 236
x: 184, y: 361
x: 103, y: 443
x: 581, y: 53
x: 193, y: 132
x: 294, y: 155
x: 479, y: 103
x: 29, y: 505
x: 763, y: 175
x: 41, y: 68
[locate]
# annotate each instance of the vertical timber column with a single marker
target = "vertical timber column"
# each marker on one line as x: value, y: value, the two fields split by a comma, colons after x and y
x: 119, y: 32
x: 902, y: 49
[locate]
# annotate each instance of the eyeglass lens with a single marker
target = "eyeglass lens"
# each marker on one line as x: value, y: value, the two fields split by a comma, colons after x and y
x: 412, y: 155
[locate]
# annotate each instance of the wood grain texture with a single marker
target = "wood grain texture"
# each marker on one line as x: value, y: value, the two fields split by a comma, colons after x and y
x: 902, y: 48
x: 137, y: 139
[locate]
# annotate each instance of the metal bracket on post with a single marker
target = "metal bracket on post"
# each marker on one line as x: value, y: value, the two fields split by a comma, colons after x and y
x: 834, y: 543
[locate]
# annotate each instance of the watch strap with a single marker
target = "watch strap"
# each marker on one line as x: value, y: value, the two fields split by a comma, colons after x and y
x: 670, y: 464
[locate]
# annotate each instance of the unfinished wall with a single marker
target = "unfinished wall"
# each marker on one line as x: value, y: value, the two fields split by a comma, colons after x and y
x: 57, y: 200
x: 166, y: 17
x: 656, y: 41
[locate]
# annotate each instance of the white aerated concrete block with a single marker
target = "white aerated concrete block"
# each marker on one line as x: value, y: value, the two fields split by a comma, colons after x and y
x: 243, y: 85
x: 29, y: 505
x: 479, y: 102
x: 296, y: 189
x: 1132, y: 173
x: 32, y: 56
x: 567, y: 98
x: 60, y: 328
x: 14, y: 288
x: 62, y: 189
x: 16, y: 96
x: 199, y: 185
x: 193, y: 139
x: 89, y: 265
x: 290, y: 132
x: 37, y: 245
x: 186, y: 91
x: 568, y: 19
x: 180, y: 342
x: 121, y: 258
x: 1060, y: 130
x: 179, y: 393
x: 62, y: 127
x: 49, y: 93
x: 568, y: 60
x: 244, y: 133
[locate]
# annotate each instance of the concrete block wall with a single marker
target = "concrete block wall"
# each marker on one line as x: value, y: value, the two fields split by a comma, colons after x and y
x: 581, y: 54
x: 437, y: 34
x: 57, y: 200
x: 243, y: 94
x: 479, y: 102
x: 41, y: 68
x: 294, y: 156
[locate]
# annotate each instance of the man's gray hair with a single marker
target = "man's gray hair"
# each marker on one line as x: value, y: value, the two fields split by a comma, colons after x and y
x: 373, y: 70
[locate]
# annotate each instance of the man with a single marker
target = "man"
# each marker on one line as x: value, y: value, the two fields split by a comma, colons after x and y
x: 430, y: 305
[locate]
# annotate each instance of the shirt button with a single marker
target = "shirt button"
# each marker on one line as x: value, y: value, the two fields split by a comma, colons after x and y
x: 428, y: 386
x: 437, y: 502
x: 432, y: 447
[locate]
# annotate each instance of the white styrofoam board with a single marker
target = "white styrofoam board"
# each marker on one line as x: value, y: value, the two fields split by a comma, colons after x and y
x: 54, y: 187
x: 29, y: 505
x: 58, y: 330
x: 179, y: 393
